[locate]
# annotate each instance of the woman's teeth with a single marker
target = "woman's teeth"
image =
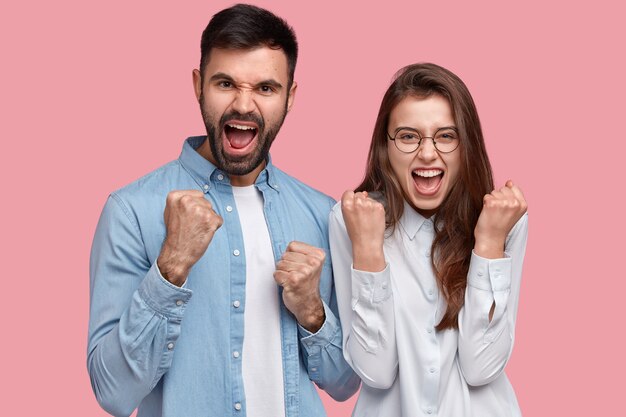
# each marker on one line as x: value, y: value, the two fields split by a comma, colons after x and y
x: 428, y: 173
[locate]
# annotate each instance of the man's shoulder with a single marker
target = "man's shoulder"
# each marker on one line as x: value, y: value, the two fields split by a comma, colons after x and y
x: 303, y: 190
x: 155, y: 185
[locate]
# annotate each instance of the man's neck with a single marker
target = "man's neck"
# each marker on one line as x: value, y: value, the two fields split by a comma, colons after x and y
x: 248, y: 179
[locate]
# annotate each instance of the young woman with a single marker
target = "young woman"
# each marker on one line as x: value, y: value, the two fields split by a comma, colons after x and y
x: 428, y: 259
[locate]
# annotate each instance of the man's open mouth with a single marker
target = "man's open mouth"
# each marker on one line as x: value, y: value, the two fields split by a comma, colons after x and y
x: 239, y: 136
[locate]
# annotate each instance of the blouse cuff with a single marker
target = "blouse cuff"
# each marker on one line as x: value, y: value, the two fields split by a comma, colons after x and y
x: 490, y: 274
x: 371, y: 287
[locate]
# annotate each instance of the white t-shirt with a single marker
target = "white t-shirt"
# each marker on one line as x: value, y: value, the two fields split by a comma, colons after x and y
x: 262, y: 364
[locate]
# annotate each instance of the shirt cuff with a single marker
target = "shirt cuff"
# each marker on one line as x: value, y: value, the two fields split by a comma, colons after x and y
x: 489, y: 274
x: 163, y: 296
x: 314, y: 342
x: 371, y: 287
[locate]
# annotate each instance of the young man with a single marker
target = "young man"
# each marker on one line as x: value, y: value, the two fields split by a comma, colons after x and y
x: 210, y: 291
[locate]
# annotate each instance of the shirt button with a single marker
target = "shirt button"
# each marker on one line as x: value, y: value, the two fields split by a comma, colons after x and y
x: 429, y: 330
x: 384, y: 286
x: 170, y: 346
x: 431, y: 292
x: 179, y: 302
x: 206, y: 186
x: 229, y: 209
x: 235, y: 354
x: 237, y: 406
x: 221, y: 177
x: 236, y: 252
x: 427, y: 254
x: 432, y: 370
x: 429, y: 411
x: 236, y: 303
x: 313, y: 369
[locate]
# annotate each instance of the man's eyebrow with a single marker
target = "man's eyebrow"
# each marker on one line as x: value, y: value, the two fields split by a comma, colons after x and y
x: 225, y: 77
x: 271, y: 83
x: 221, y: 76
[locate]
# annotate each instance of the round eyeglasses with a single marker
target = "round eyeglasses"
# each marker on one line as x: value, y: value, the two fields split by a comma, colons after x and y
x: 407, y: 140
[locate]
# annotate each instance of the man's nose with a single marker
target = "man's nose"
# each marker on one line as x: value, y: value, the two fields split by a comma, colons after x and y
x: 244, y: 102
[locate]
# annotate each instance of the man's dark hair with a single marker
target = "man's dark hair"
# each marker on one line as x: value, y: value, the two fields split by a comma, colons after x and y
x: 244, y: 26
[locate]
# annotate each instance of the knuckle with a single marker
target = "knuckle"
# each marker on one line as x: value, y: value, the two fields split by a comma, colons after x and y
x: 197, y: 210
x: 172, y: 197
x: 185, y: 200
x: 214, y: 219
x: 306, y: 270
x: 313, y: 262
x: 292, y: 278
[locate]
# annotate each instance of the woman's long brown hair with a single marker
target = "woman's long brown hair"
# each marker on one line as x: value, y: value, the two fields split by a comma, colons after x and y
x: 456, y: 218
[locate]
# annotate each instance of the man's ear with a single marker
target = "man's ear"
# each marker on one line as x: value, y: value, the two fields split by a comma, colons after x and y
x: 197, y: 83
x: 292, y: 95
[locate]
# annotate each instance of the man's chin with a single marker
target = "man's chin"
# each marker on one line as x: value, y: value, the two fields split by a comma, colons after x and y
x: 240, y: 164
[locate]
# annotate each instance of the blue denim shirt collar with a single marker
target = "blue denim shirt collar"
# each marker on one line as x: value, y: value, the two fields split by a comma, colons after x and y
x: 205, y: 173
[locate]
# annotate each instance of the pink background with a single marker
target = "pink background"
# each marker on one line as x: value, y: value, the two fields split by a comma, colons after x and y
x: 95, y: 94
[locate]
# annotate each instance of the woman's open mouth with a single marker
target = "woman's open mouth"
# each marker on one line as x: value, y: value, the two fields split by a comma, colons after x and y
x: 427, y: 181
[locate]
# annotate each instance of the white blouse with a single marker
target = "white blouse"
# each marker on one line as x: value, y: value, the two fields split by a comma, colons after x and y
x: 388, y: 320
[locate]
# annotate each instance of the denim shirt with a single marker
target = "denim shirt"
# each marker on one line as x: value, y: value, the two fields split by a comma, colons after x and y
x: 168, y: 350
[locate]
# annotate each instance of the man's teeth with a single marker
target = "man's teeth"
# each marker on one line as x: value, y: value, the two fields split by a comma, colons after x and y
x: 428, y: 173
x: 241, y: 127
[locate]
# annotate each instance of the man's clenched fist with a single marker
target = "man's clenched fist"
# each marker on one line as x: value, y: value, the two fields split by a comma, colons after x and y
x: 298, y: 272
x: 191, y: 223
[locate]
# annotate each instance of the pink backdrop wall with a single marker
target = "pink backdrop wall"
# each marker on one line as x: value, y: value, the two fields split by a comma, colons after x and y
x: 94, y: 95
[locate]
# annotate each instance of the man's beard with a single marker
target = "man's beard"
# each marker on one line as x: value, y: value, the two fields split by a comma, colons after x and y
x: 239, y: 164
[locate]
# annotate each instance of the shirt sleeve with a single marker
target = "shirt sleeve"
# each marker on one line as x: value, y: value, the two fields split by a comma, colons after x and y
x: 365, y: 303
x: 135, y: 314
x: 324, y: 359
x: 485, y: 346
